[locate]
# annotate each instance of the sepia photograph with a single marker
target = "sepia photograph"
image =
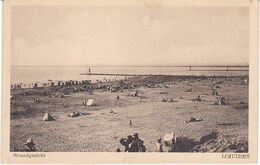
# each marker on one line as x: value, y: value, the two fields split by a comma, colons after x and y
x: 146, y: 77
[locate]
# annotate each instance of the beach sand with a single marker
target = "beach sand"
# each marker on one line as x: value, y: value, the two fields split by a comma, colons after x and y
x: 100, y: 131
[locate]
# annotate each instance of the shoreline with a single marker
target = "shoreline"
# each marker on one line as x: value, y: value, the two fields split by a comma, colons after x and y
x: 53, y: 83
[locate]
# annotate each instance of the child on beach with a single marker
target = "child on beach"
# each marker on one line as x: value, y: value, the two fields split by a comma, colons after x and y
x: 159, y: 145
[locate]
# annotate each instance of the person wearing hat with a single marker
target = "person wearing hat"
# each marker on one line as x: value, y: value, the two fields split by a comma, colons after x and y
x: 30, y: 146
x: 136, y: 136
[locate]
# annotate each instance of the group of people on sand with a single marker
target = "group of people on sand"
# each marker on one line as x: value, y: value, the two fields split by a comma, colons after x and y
x: 132, y: 144
x: 220, y: 101
x: 29, y: 146
x: 169, y: 145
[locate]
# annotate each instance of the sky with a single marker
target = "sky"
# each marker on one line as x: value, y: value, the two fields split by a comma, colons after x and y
x: 128, y: 36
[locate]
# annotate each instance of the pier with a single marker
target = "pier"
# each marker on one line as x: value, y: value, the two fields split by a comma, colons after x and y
x: 118, y: 74
x: 220, y: 68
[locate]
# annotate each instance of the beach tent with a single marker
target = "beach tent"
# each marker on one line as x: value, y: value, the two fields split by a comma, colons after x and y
x: 47, y: 117
x: 39, y: 85
x: 44, y: 85
x: 169, y: 137
x: 112, y: 89
x: 23, y: 85
x: 57, y: 83
x: 133, y: 93
x: 31, y: 85
x: 91, y: 102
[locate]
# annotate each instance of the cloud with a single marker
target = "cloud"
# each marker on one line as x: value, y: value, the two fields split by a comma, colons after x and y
x: 129, y: 35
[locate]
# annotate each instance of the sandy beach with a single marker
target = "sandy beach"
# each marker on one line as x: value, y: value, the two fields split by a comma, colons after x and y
x: 224, y: 128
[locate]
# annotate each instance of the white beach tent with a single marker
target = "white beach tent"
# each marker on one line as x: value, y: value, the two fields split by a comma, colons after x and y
x: 91, y: 102
x: 47, y: 117
x: 169, y: 137
x: 23, y: 85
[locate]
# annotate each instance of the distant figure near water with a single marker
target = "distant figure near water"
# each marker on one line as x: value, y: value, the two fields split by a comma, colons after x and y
x: 89, y: 70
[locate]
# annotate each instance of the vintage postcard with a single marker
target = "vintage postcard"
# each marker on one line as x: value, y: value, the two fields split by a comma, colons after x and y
x: 130, y: 81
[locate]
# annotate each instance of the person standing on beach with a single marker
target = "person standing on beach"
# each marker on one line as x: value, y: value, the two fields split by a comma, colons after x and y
x: 173, y: 145
x: 139, y: 99
x: 159, y: 145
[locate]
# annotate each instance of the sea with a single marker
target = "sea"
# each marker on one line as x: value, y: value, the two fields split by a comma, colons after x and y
x: 34, y: 74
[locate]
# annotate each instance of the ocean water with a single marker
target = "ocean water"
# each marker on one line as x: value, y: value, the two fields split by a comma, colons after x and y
x: 43, y: 74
